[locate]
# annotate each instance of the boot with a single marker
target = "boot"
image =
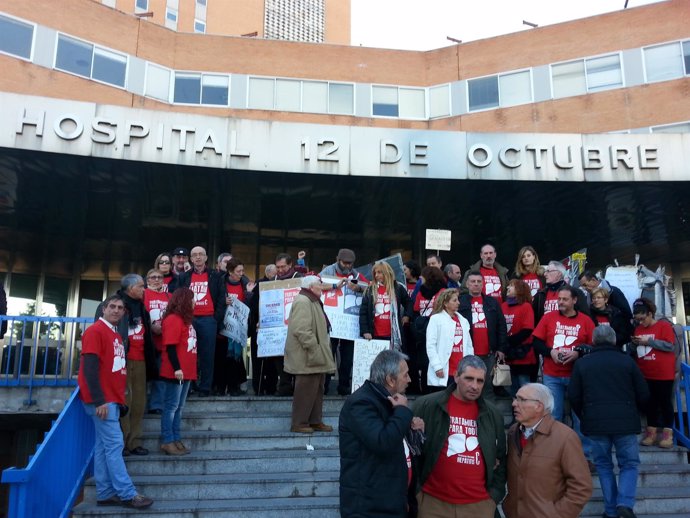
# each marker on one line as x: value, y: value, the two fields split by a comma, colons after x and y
x: 666, y: 438
x: 649, y: 436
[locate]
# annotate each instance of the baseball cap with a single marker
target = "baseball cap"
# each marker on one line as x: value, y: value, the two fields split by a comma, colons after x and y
x: 180, y: 251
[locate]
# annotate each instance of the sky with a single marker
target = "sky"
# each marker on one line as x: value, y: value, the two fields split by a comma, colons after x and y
x: 424, y: 24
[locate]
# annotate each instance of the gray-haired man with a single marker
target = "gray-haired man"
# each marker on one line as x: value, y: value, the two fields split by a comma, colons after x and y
x: 375, y: 459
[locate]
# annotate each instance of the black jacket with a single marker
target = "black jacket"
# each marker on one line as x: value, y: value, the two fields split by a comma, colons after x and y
x: 538, y: 303
x: 366, y: 310
x: 618, y: 300
x: 373, y: 471
x: 606, y: 391
x: 223, y: 279
x: 495, y: 321
x: 620, y: 324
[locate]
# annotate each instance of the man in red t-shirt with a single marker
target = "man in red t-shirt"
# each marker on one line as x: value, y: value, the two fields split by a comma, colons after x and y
x: 102, y: 380
x: 463, y: 468
x: 495, y: 276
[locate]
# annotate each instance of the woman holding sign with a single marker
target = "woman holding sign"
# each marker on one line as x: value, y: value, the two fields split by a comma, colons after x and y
x: 385, y: 308
x: 448, y: 340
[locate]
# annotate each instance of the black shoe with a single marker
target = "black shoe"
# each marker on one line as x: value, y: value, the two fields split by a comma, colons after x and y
x: 155, y: 411
x: 138, y: 502
x: 139, y: 451
x: 344, y: 392
x: 625, y: 512
x: 125, y: 452
x: 113, y: 500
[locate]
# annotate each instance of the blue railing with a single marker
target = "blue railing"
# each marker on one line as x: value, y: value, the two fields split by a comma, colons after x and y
x: 49, y: 485
x: 682, y: 430
x: 40, y: 351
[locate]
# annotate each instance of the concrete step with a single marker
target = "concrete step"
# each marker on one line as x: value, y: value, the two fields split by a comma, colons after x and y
x: 234, y: 421
x: 658, y: 475
x: 226, y: 462
x: 249, y: 404
x: 233, y: 486
x: 256, y: 440
x: 650, y: 501
x: 307, y: 507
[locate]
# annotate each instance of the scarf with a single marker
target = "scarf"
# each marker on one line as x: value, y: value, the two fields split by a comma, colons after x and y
x: 396, y: 335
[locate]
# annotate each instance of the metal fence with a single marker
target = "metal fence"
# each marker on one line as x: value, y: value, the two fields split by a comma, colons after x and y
x: 682, y: 429
x: 49, y: 485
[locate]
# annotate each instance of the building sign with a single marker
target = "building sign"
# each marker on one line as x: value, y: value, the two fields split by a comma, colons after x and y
x: 88, y: 129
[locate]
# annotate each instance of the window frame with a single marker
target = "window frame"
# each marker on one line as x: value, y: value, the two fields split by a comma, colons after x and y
x: 34, y: 26
x: 202, y: 22
x: 684, y: 72
x: 170, y: 81
x: 94, y: 46
x: 138, y: 9
x: 498, y: 77
x: 449, y: 96
x: 301, y: 81
x: 201, y: 87
x: 584, y: 61
x: 397, y: 89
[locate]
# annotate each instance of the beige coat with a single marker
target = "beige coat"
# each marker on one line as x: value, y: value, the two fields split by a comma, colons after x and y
x: 551, y: 478
x: 308, y: 346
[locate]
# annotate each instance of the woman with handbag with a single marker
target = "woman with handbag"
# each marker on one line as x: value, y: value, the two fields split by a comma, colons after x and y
x: 448, y: 340
x: 519, y: 315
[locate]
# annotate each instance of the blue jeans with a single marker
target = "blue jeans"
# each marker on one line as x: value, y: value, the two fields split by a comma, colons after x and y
x: 108, y: 465
x: 628, y: 457
x: 173, y: 402
x: 559, y: 389
x: 518, y: 380
x: 205, y: 328
x: 156, y: 394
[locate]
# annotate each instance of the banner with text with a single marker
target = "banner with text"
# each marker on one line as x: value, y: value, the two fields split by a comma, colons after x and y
x: 275, y: 302
x: 342, y: 308
x: 365, y: 352
x: 236, y: 322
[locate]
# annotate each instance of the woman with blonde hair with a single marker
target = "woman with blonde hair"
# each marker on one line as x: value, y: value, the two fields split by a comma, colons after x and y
x: 528, y: 269
x: 164, y: 263
x: 385, y: 308
x: 448, y: 340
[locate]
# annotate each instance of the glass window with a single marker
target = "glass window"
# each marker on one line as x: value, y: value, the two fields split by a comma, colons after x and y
x: 201, y: 2
x: 568, y: 79
x: 412, y: 103
x: 74, y: 56
x: 109, y: 67
x: 261, y: 93
x: 158, y: 82
x: 288, y: 95
x: 385, y: 101
x: 515, y: 88
x: 686, y: 56
x: 439, y: 101
x: 187, y: 88
x: 341, y: 98
x: 604, y: 73
x: 214, y: 90
x: 314, y: 97
x: 16, y: 37
x: 663, y: 62
x: 483, y: 93
x: 142, y: 5
x: 199, y: 26
x: 171, y: 15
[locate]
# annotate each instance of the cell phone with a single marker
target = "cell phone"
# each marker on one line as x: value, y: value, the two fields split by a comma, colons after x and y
x: 354, y: 281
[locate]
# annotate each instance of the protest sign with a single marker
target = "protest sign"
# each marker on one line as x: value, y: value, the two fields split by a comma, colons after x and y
x: 342, y: 308
x: 236, y: 322
x: 365, y: 352
x: 625, y: 279
x: 275, y: 302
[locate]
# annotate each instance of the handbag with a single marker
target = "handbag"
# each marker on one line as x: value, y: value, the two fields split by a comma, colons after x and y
x: 501, y: 375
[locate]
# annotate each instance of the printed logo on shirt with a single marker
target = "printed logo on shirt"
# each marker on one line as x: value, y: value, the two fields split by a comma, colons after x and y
x: 119, y: 361
x: 644, y: 350
x: 492, y: 285
x: 565, y: 335
x: 534, y: 285
x: 200, y: 289
x: 463, y: 442
x: 191, y: 341
x: 382, y: 308
x: 550, y: 305
x: 509, y: 321
x: 478, y: 316
x: 136, y: 328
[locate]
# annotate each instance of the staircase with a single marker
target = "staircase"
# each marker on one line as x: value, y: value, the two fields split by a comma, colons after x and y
x: 245, y: 463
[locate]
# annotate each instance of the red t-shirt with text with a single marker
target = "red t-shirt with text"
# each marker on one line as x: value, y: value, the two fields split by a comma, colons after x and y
x: 456, y: 352
x: 480, y: 331
x: 563, y: 333
x: 382, y: 313
x: 519, y: 317
x: 459, y: 475
x: 533, y: 281
x: 551, y: 301
x: 135, y: 337
x: 203, y: 303
x: 656, y: 364
x: 236, y: 291
x: 425, y: 306
x: 106, y: 343
x: 492, y: 283
x: 155, y: 303
x: 184, y: 337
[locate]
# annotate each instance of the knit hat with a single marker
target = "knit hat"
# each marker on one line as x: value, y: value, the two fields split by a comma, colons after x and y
x: 346, y: 255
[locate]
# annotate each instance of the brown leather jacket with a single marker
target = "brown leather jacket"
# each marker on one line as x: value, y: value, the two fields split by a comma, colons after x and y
x: 551, y: 477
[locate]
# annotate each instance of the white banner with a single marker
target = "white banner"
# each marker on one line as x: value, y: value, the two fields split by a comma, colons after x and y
x: 625, y: 279
x: 365, y: 352
x: 275, y: 302
x: 342, y: 308
x: 236, y: 322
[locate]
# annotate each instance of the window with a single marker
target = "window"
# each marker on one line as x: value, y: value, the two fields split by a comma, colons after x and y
x: 199, y: 26
x: 686, y: 56
x: 515, y: 88
x: 201, y: 2
x: 315, y: 96
x: 141, y: 5
x: 439, y: 101
x: 261, y: 93
x: 109, y: 67
x: 201, y: 89
x: 384, y: 101
x: 603, y: 73
x: 483, y: 93
x: 86, y: 60
x: 341, y: 98
x: 568, y: 79
x: 74, y: 56
x: 158, y: 82
x: 288, y: 94
x: 412, y: 103
x: 171, y: 19
x: 16, y: 38
x: 663, y: 62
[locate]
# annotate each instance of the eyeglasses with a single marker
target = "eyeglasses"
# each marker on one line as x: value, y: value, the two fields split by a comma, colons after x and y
x: 549, y: 271
x: 520, y: 400
x: 163, y: 262
x: 154, y: 277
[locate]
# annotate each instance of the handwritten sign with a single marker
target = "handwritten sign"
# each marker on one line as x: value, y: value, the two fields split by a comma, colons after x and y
x: 365, y: 352
x: 275, y: 301
x: 342, y: 308
x: 437, y: 239
x: 236, y: 322
x: 625, y: 279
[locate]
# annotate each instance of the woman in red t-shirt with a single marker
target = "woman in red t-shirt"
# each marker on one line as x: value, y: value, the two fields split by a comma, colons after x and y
x: 178, y: 367
x: 519, y: 315
x: 655, y: 343
x: 528, y: 269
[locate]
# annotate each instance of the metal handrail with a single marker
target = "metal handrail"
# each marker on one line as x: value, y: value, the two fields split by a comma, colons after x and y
x: 681, y: 429
x: 49, y: 485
